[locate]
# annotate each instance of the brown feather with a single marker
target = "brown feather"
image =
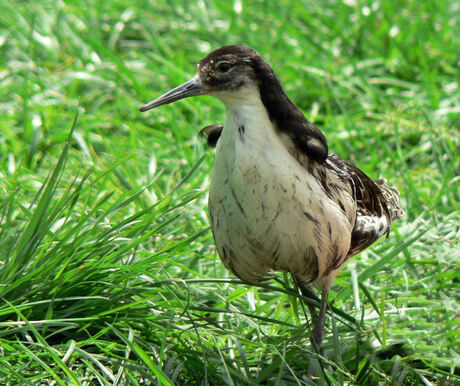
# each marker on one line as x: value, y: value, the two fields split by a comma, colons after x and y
x: 374, y: 200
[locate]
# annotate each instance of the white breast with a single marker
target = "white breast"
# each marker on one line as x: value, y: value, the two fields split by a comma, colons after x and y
x: 267, y: 212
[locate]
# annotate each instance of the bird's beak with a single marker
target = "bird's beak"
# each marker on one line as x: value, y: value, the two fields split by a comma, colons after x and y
x: 190, y: 88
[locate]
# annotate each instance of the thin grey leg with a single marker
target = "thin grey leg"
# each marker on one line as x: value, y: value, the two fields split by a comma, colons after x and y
x: 318, y: 329
x: 318, y: 333
x: 307, y: 290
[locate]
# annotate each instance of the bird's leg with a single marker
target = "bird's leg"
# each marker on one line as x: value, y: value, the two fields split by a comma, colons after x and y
x: 317, y: 319
x: 307, y: 290
x: 318, y: 329
x: 318, y: 333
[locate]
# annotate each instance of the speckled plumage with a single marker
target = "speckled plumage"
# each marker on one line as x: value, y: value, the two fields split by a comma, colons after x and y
x: 267, y: 211
x: 278, y: 200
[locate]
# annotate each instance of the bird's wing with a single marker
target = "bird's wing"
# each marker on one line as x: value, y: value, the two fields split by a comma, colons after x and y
x: 377, y: 204
x: 212, y: 134
x: 308, y: 138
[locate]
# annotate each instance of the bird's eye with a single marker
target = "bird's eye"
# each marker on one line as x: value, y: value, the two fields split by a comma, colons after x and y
x: 223, y: 66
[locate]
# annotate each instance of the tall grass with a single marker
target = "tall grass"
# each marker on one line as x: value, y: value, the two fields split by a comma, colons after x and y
x: 108, y: 270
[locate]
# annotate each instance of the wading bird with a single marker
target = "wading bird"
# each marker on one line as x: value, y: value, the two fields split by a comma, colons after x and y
x: 278, y: 200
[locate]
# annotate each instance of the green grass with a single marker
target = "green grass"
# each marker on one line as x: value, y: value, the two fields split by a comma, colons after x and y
x: 108, y: 269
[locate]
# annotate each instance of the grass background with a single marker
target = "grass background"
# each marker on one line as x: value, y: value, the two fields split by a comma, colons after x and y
x: 107, y: 265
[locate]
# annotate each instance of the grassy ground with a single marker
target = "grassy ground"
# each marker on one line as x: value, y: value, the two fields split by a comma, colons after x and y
x: 108, y: 273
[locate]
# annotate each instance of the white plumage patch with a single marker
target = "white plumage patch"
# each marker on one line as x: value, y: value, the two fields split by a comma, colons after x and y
x: 372, y: 224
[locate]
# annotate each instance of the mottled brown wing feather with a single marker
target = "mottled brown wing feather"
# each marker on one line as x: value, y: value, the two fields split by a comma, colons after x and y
x: 377, y: 204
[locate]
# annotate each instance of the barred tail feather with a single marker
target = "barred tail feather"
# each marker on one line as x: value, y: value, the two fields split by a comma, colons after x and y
x: 391, y: 197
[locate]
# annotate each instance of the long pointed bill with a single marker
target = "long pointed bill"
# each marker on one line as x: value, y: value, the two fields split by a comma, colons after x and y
x: 190, y: 88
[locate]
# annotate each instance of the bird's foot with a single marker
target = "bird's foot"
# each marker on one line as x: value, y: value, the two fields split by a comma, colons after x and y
x: 314, y: 365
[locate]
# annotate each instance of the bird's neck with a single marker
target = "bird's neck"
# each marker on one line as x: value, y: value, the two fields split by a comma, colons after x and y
x: 282, y: 110
x: 247, y: 120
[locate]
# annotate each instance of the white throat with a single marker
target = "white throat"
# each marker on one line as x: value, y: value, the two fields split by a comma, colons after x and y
x: 247, y: 123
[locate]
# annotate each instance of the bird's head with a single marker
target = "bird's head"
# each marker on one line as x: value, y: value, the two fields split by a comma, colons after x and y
x: 239, y: 77
x: 222, y: 73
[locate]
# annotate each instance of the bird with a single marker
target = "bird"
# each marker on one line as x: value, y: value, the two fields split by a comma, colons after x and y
x: 279, y: 200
